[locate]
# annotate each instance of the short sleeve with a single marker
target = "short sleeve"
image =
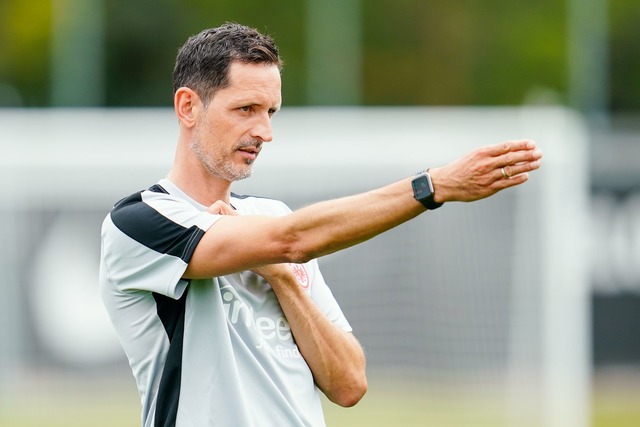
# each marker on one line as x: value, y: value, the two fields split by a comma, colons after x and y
x: 148, y: 240
x: 323, y: 297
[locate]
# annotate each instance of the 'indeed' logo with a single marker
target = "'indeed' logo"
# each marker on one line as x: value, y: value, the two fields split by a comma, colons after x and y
x: 266, y: 328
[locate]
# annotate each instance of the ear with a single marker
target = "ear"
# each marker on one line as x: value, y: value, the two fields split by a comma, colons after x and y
x: 187, y: 105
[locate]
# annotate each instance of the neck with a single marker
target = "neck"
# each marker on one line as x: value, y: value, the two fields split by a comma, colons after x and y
x: 205, y: 192
x: 197, y: 182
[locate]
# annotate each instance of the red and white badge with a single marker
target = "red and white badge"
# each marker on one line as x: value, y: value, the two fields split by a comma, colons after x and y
x: 301, y: 275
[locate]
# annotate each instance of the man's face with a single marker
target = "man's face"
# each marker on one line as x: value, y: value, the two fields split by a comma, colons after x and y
x: 228, y: 135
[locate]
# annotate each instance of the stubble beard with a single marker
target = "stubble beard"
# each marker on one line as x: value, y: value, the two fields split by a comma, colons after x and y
x: 216, y: 164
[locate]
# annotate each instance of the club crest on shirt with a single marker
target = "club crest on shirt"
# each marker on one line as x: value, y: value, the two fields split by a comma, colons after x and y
x: 301, y: 275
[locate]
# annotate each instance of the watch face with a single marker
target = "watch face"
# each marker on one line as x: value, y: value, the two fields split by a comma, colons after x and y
x: 421, y: 187
x: 423, y: 191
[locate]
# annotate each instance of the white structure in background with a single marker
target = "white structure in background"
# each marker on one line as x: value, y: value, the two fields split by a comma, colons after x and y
x: 493, y: 293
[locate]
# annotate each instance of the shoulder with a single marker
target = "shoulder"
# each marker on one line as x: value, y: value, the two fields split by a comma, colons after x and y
x: 154, y: 214
x: 136, y: 202
x: 142, y: 206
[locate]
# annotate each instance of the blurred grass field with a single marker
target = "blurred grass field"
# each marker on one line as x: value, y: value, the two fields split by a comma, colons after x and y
x: 49, y: 403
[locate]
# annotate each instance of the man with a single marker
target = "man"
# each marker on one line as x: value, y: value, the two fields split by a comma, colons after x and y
x: 217, y: 298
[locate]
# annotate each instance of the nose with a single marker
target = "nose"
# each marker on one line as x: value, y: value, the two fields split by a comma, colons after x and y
x: 262, y: 129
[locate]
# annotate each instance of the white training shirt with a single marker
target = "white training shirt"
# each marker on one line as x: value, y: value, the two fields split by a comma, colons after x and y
x: 214, y: 352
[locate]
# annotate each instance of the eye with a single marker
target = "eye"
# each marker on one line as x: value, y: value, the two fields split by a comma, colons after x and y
x: 272, y: 111
x: 246, y: 109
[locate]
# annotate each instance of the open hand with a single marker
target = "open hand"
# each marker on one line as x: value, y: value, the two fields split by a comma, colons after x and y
x: 485, y: 171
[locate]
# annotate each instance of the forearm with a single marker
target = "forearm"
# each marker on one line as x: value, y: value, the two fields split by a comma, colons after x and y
x: 330, y: 226
x: 333, y: 355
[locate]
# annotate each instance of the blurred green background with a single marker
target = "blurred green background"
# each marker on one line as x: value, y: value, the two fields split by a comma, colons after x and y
x: 390, y: 52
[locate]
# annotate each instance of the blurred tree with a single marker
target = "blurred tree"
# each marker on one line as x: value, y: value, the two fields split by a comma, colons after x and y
x: 141, y: 45
x: 25, y: 27
x: 464, y: 52
x: 625, y: 55
x: 77, y: 53
x: 141, y: 51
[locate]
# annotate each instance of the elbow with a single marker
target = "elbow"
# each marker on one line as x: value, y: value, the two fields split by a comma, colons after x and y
x: 355, y: 395
x: 349, y: 386
x: 298, y: 255
x: 350, y: 394
x: 300, y: 245
x: 296, y: 251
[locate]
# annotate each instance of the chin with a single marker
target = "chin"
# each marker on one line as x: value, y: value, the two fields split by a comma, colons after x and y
x: 242, y: 174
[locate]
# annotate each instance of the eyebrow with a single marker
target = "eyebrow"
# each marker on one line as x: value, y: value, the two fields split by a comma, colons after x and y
x: 250, y: 102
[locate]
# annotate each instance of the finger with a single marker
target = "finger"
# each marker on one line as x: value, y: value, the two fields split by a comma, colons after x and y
x: 517, y: 157
x: 523, y: 167
x: 511, y: 146
x: 507, y: 172
x: 502, y: 183
x: 515, y: 180
x: 221, y: 208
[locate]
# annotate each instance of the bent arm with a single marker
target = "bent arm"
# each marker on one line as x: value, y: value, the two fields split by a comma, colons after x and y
x: 237, y: 243
x: 333, y: 355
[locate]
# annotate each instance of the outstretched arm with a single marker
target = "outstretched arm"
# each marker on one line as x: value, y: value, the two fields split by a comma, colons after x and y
x: 238, y: 243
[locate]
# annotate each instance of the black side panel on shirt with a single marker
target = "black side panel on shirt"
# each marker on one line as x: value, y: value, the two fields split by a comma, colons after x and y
x: 247, y: 196
x: 149, y: 227
x: 171, y: 313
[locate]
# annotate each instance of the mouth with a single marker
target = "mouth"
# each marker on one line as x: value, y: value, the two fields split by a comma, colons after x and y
x: 250, y: 152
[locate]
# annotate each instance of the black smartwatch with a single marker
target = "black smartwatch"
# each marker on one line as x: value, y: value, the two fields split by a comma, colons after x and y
x: 423, y: 190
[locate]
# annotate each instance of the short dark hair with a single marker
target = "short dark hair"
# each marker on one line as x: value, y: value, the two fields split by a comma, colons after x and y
x: 203, y: 61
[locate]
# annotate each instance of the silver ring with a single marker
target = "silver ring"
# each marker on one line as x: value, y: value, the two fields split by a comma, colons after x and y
x: 504, y: 174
